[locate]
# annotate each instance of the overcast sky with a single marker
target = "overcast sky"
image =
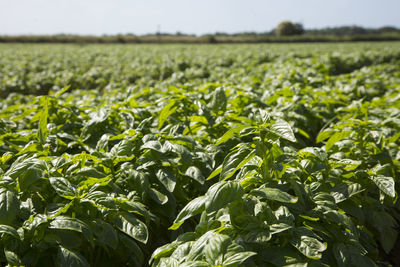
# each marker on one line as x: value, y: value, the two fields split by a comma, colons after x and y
x: 188, y: 16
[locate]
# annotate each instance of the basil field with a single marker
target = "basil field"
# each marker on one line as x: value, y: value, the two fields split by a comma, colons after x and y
x: 200, y: 155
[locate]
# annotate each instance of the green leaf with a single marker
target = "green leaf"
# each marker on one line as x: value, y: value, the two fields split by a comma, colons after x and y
x: 218, y: 100
x: 133, y: 227
x: 324, y: 135
x: 194, y: 207
x: 12, y: 258
x: 27, y: 172
x: 195, y: 173
x: 105, y: 233
x: 351, y: 254
x: 167, y: 178
x: 215, y: 248
x: 72, y: 224
x: 167, y: 111
x: 6, y: 229
x: 238, y: 258
x: 386, y: 226
x: 314, y: 151
x: 9, y: 206
x: 63, y: 187
x: 336, y: 137
x: 385, y: 184
x: 283, y: 130
x: 340, y: 218
x: 283, y: 256
x: 124, y: 148
x: 197, y: 249
x: 275, y: 194
x: 309, y: 246
x: 90, y: 172
x: 157, y: 196
x: 134, y: 252
x: 153, y: 145
x: 42, y: 132
x: 69, y: 258
x: 221, y: 194
x: 215, y: 173
x: 63, y: 90
x: 235, y: 160
x: 231, y: 133
x: 345, y: 190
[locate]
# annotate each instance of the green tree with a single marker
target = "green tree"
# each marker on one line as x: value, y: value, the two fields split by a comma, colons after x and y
x: 286, y: 28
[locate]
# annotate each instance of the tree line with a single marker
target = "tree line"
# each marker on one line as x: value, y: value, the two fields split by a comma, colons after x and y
x: 286, y: 31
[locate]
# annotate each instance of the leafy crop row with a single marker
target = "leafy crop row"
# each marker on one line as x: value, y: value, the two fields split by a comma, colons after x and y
x: 200, y: 156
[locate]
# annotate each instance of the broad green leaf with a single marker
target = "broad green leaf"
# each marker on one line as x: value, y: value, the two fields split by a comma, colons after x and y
x: 279, y: 227
x: 314, y: 151
x: 349, y: 164
x: 157, y: 196
x: 73, y: 224
x: 90, y: 172
x: 385, y: 184
x: 132, y: 206
x: 324, y: 135
x: 340, y: 218
x: 237, y: 258
x: 274, y: 194
x: 351, y: 255
x: 218, y: 100
x: 194, y: 207
x: 123, y: 148
x: 221, y: 194
x: 133, y: 227
x: 259, y: 237
x: 100, y: 199
x: 386, y: 226
x: 235, y: 160
x: 12, y: 258
x: 5, y: 157
x: 27, y: 171
x: 167, y: 111
x: 215, y: 248
x: 283, y: 130
x: 169, y: 262
x: 215, y: 173
x: 309, y: 246
x: 63, y: 187
x: 153, y: 145
x: 283, y: 256
x: 197, y: 250
x: 105, y: 233
x: 231, y: 133
x: 195, y: 173
x: 135, y: 253
x: 6, y: 229
x: 336, y: 137
x: 344, y: 191
x: 69, y: 258
x: 167, y: 178
x: 9, y: 206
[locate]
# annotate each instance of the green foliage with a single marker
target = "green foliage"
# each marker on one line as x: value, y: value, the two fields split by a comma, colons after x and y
x: 286, y: 28
x: 199, y: 156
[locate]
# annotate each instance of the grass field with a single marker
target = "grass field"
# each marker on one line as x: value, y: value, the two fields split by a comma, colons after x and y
x: 200, y: 155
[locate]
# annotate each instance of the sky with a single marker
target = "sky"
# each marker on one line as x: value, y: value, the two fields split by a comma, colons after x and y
x: 97, y: 17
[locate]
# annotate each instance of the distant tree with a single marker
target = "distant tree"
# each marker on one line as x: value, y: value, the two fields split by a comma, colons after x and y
x: 388, y: 29
x: 286, y: 28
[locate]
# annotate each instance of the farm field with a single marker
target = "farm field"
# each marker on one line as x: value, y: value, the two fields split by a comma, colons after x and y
x: 200, y: 155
